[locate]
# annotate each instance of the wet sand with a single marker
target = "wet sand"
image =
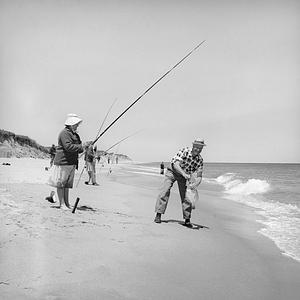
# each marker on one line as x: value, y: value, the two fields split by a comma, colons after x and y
x: 110, y: 248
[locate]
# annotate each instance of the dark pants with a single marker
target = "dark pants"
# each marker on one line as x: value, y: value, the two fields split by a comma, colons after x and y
x: 163, y: 197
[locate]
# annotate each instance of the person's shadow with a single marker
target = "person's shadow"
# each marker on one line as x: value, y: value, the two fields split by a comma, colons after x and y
x: 195, y: 226
x: 86, y: 208
x: 82, y: 207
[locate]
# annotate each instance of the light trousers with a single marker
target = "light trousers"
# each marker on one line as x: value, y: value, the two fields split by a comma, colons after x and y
x: 162, y: 200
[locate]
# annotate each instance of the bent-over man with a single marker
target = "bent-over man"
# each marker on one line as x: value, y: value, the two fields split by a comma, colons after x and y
x: 186, y: 162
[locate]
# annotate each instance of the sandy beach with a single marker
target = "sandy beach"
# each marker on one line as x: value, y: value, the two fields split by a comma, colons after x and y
x: 110, y: 248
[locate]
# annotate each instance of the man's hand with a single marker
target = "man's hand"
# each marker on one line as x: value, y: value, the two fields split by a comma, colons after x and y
x: 196, y: 183
x: 181, y: 171
x: 187, y: 176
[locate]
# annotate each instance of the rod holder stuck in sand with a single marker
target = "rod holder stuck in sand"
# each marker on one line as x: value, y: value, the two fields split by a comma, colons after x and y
x: 75, y: 206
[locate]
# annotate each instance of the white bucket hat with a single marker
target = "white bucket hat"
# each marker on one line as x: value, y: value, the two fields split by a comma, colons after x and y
x: 72, y: 119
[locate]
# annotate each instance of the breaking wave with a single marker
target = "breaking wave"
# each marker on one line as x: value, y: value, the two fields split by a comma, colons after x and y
x: 237, y: 186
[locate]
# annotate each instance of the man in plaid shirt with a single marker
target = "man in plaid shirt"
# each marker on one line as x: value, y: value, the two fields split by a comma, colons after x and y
x: 186, y: 162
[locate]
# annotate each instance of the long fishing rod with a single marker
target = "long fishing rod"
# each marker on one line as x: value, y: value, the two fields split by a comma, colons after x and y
x: 147, y: 90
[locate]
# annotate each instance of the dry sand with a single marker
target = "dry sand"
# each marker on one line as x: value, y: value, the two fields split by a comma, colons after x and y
x: 111, y: 248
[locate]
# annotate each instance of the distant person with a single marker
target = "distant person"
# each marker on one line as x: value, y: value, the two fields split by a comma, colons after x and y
x: 66, y: 159
x: 117, y: 159
x: 52, y: 152
x: 186, y: 162
x: 90, y: 160
x: 95, y: 158
x: 162, y: 168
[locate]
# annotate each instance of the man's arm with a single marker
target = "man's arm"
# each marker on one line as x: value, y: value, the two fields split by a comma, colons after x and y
x: 180, y: 170
x: 197, y: 180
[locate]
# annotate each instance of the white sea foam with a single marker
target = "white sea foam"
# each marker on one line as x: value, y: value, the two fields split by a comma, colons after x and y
x: 237, y: 186
x: 282, y: 225
x: 225, y: 178
x: 281, y: 221
x: 251, y: 186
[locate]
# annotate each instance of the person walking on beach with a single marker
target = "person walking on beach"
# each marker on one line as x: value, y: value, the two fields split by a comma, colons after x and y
x: 90, y: 160
x: 162, y: 168
x: 52, y: 152
x: 66, y: 159
x: 98, y: 158
x: 186, y: 162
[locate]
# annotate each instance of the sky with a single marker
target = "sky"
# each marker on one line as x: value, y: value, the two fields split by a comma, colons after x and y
x: 239, y: 91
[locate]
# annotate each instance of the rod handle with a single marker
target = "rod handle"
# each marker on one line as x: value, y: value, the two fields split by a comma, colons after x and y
x: 76, y: 204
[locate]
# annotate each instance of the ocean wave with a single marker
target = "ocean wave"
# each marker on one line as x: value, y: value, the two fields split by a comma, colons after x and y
x: 236, y: 186
x: 225, y: 178
x: 281, y: 221
x: 282, y: 225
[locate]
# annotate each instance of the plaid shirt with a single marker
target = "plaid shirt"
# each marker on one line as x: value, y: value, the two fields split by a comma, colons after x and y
x: 187, y: 162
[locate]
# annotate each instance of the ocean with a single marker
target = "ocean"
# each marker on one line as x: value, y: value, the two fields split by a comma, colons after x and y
x: 272, y: 190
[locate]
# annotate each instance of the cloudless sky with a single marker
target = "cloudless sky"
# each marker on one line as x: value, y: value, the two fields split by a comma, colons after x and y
x: 239, y: 91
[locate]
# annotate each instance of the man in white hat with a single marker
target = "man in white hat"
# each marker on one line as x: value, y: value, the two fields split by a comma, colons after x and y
x: 185, y: 163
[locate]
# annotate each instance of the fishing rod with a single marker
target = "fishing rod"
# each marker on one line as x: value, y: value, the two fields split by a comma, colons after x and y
x: 105, y: 118
x: 118, y: 143
x: 147, y: 90
x: 122, y: 140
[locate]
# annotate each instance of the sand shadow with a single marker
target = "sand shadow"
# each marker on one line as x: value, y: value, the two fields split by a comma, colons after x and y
x: 195, y: 226
x: 55, y: 206
x: 86, y: 208
x: 82, y: 208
